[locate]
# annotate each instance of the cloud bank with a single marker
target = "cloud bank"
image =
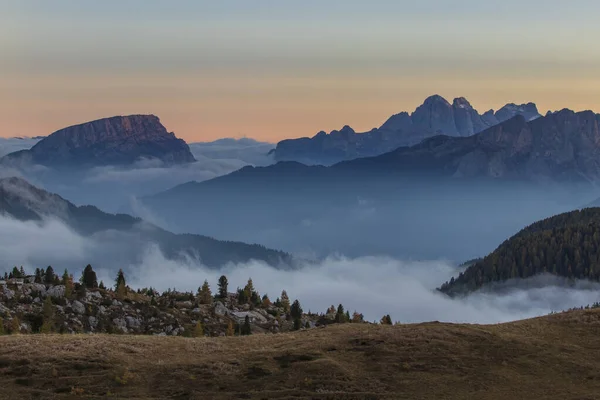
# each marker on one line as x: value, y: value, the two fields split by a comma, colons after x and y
x: 373, y: 286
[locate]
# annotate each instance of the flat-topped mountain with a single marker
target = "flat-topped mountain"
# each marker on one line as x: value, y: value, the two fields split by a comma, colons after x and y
x: 117, y: 140
x: 25, y: 202
x: 436, y: 116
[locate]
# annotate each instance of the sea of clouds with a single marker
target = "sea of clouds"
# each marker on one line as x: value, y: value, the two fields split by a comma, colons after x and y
x: 373, y: 286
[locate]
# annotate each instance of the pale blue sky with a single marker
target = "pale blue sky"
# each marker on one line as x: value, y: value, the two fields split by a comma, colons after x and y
x: 286, y: 68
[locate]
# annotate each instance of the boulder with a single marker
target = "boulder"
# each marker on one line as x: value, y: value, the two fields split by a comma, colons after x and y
x: 78, y: 307
x: 220, y: 309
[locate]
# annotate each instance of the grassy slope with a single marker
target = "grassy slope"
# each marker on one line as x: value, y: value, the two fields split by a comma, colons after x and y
x: 554, y: 357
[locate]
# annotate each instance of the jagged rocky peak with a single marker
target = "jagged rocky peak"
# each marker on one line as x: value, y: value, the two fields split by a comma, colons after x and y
x: 115, y: 140
x: 461, y: 102
x: 529, y: 111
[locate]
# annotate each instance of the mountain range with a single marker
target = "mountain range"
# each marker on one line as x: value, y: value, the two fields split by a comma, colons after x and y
x: 119, y: 140
x: 25, y: 202
x: 436, y: 116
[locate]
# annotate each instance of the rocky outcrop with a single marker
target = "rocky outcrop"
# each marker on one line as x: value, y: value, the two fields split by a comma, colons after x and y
x: 142, y: 312
x: 118, y: 140
x: 436, y: 116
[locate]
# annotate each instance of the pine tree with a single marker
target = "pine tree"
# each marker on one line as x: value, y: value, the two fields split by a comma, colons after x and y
x: 230, y: 331
x: 386, y: 320
x: 241, y: 296
x: 22, y: 272
x: 340, y: 316
x: 296, y: 313
x: 88, y: 278
x: 285, y: 302
x: 120, y: 285
x: 101, y: 285
x: 1, y: 326
x: 347, y: 316
x: 205, y: 294
x: 49, y: 276
x: 246, y: 328
x: 307, y: 325
x: 198, y: 330
x: 223, y: 287
x: 38, y: 276
x: 15, y: 273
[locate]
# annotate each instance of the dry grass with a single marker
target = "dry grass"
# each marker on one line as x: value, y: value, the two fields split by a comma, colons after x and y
x: 554, y: 357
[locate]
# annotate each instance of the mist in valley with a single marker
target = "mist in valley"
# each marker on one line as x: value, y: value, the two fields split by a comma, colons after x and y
x: 370, y: 285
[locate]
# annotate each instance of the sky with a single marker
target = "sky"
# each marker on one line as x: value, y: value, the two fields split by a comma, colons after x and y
x: 275, y: 69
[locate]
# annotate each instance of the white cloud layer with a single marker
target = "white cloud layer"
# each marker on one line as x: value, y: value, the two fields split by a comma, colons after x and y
x: 373, y: 286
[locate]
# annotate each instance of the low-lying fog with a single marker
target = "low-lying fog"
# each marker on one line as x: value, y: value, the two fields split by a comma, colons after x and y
x: 113, y: 187
x: 373, y: 286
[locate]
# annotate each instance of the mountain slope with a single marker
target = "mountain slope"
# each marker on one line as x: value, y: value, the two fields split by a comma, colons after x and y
x: 25, y: 202
x: 109, y: 141
x: 551, y: 358
x: 566, y: 245
x: 436, y: 116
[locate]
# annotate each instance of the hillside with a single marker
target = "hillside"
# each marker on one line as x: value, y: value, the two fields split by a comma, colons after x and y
x: 553, y: 357
x: 25, y: 202
x: 566, y: 245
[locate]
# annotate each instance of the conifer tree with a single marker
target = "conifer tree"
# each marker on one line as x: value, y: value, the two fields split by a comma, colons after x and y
x: 15, y: 273
x: 67, y: 280
x: 356, y: 317
x: 48, y: 314
x: 266, y: 302
x: 49, y: 276
x: 101, y: 285
x: 340, y: 316
x: 285, y: 302
x: 230, y: 331
x: 15, y: 326
x: 386, y: 320
x: 296, y: 313
x: 38, y: 276
x: 1, y: 326
x: 120, y: 284
x: 204, y: 293
x: 249, y: 288
x: 198, y: 329
x: 223, y: 287
x: 246, y: 328
x: 22, y: 272
x: 88, y: 278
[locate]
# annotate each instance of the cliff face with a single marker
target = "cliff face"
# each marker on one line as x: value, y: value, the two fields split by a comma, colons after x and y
x: 436, y: 116
x: 110, y: 141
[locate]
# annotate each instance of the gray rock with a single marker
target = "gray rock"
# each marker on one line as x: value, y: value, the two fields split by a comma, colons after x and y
x: 93, y: 295
x: 78, y: 307
x: 56, y: 292
x: 93, y: 322
x: 121, y: 324
x: 133, y: 323
x: 117, y: 303
x: 220, y: 309
x: 7, y: 293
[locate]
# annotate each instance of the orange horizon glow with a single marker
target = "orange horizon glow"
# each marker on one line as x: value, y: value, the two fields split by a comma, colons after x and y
x: 274, y: 70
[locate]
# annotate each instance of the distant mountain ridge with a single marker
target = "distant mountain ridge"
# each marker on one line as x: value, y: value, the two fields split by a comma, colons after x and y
x: 25, y: 202
x: 119, y: 140
x: 436, y: 116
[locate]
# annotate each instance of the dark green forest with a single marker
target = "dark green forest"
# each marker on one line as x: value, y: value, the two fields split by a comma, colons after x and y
x: 566, y: 245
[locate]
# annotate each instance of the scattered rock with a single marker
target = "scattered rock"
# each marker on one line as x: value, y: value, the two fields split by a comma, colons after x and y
x: 78, y: 307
